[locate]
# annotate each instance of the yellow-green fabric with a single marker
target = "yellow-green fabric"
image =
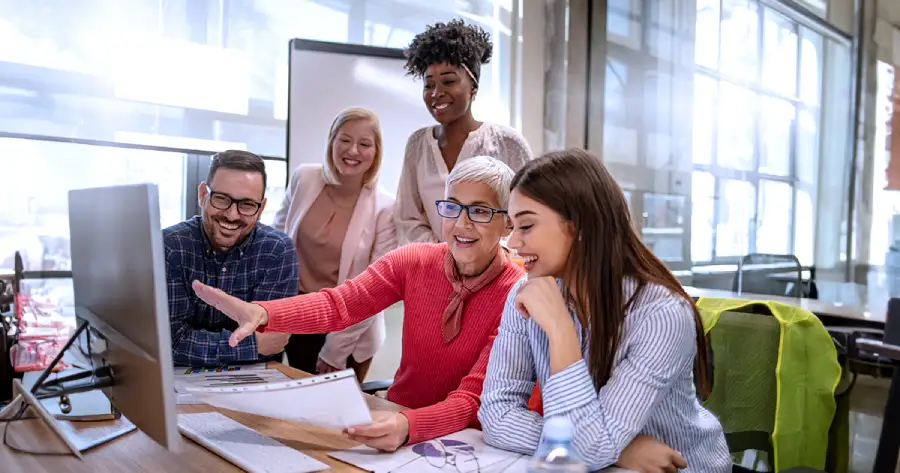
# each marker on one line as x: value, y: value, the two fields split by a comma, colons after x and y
x: 806, y: 375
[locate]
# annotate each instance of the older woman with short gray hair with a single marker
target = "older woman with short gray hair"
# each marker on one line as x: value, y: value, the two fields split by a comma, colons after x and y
x: 446, y: 345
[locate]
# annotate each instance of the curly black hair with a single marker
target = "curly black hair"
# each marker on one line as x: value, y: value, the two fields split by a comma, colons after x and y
x: 454, y: 43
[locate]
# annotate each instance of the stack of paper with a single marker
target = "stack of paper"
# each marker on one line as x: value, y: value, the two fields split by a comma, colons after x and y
x: 186, y: 378
x: 331, y: 400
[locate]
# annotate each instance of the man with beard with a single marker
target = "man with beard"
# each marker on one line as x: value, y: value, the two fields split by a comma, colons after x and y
x: 228, y: 248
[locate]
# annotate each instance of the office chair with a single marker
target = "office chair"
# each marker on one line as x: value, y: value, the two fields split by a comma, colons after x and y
x: 759, y: 280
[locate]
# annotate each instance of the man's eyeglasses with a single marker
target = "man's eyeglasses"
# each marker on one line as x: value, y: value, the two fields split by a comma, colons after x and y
x: 476, y: 213
x: 246, y: 207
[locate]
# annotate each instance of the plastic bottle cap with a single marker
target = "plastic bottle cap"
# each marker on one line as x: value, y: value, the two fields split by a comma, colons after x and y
x: 558, y: 428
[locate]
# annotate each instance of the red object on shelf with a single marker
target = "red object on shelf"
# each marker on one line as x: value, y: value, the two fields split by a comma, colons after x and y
x: 36, y: 354
x: 41, y: 334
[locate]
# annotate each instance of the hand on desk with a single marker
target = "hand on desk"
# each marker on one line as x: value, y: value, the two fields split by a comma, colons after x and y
x: 388, y: 431
x: 271, y: 343
x: 645, y: 454
x: 247, y: 315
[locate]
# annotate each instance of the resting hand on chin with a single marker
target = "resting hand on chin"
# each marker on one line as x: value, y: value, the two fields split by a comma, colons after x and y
x: 388, y: 431
x: 541, y: 300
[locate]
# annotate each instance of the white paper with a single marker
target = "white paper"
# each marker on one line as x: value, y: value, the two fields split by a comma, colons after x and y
x: 465, y: 449
x: 228, y: 378
x: 332, y: 401
x: 207, y: 378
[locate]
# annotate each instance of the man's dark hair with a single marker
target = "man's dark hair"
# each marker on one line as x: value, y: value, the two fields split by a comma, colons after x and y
x: 454, y: 43
x: 239, y: 161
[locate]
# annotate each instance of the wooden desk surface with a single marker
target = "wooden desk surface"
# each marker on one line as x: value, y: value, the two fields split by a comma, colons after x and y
x: 820, y: 308
x: 135, y: 452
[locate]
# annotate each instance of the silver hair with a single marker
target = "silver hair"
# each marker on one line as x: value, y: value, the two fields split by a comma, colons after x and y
x: 487, y: 170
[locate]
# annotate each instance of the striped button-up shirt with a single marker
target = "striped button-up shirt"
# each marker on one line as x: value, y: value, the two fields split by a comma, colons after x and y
x: 650, y: 391
x: 262, y: 267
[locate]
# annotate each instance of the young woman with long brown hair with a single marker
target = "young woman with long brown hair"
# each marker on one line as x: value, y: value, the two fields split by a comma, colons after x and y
x: 600, y: 323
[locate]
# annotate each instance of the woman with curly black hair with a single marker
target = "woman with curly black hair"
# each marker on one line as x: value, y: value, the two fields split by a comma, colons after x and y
x: 448, y: 58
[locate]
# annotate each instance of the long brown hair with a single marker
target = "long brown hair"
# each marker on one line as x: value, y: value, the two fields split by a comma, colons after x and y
x: 605, y: 250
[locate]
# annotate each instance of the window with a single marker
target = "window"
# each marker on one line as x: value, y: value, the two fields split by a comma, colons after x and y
x: 737, y: 127
x: 703, y: 215
x: 732, y: 106
x: 773, y: 217
x: 203, y: 75
x: 663, y: 226
x: 735, y: 217
x: 35, y: 218
x: 756, y: 134
x: 739, y: 56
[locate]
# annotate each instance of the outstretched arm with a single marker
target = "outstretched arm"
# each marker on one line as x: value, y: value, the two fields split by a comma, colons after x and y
x: 357, y: 299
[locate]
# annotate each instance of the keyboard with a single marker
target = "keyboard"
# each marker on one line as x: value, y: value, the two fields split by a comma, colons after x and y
x: 243, y: 446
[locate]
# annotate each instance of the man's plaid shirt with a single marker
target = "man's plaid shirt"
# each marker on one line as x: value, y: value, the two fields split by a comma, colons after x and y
x: 262, y: 267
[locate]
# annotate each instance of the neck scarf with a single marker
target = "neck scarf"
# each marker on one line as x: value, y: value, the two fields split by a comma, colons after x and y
x: 463, y: 288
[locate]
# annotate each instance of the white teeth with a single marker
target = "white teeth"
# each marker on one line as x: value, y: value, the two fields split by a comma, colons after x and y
x: 441, y: 106
x: 228, y: 226
x: 530, y: 259
x: 465, y: 240
x: 351, y: 162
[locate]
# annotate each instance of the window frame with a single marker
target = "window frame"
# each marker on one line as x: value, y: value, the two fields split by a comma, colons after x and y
x: 196, y: 163
x: 754, y: 176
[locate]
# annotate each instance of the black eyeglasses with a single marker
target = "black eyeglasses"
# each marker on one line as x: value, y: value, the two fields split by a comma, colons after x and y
x: 476, y: 213
x: 246, y: 207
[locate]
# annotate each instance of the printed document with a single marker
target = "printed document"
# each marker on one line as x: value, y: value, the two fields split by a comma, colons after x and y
x: 332, y: 400
x: 463, y: 451
x: 223, y: 376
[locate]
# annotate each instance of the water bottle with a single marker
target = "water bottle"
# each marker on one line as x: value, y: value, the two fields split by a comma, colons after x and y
x: 555, y: 453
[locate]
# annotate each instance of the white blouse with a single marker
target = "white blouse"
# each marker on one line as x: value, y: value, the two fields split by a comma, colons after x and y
x: 424, y: 176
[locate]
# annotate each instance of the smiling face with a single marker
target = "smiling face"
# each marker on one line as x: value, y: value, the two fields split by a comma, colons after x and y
x: 473, y: 245
x: 448, y: 92
x: 225, y: 228
x: 542, y: 238
x: 353, y: 148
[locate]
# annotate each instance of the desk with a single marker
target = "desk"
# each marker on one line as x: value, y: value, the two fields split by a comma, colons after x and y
x: 820, y: 308
x: 135, y: 452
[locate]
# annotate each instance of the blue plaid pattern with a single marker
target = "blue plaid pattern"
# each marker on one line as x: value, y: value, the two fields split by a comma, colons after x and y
x: 263, y: 267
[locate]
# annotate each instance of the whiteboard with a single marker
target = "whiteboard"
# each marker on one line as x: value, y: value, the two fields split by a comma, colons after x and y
x: 325, y: 78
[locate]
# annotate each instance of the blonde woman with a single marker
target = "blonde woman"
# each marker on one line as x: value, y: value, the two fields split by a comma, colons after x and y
x: 340, y: 222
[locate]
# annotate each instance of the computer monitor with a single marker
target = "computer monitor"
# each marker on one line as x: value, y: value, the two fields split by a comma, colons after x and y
x: 119, y: 275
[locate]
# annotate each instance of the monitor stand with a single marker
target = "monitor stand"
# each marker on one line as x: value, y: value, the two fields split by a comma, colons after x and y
x: 25, y: 400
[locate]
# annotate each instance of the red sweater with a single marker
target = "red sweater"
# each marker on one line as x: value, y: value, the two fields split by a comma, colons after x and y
x: 441, y: 382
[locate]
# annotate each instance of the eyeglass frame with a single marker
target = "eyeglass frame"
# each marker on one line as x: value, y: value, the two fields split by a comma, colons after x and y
x: 232, y: 201
x: 450, y: 457
x: 463, y: 207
